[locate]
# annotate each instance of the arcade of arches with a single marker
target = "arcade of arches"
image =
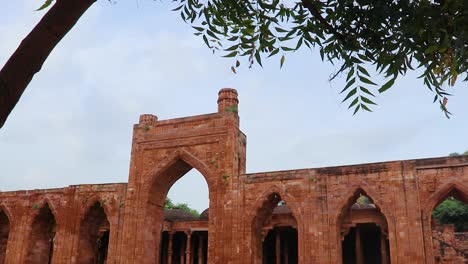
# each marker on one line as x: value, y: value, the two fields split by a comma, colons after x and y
x: 357, y: 214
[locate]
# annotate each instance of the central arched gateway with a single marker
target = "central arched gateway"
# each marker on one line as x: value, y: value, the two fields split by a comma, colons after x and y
x: 175, y: 167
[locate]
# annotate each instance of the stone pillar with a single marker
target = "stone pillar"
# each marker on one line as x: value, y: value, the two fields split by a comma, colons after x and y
x: 200, y: 249
x: 181, y: 252
x: 188, y: 247
x: 278, y: 247
x: 383, y: 249
x: 359, y: 257
x: 169, y: 249
x: 286, y: 251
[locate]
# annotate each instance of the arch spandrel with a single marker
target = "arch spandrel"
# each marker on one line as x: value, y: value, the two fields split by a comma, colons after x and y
x: 108, y: 211
x: 41, y: 204
x: 6, y: 210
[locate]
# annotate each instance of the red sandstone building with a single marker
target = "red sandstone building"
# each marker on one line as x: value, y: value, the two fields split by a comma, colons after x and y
x: 284, y: 217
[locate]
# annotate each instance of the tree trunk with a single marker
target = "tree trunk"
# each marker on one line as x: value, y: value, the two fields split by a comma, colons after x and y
x: 34, y: 50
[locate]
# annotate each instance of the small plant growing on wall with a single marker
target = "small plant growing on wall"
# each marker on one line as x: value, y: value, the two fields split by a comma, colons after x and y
x: 231, y: 109
x: 226, y: 179
x: 35, y: 206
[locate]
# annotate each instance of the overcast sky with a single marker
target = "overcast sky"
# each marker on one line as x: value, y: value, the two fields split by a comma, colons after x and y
x: 73, y: 124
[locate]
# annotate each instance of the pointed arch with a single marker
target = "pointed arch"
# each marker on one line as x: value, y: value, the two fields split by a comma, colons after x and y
x: 182, y: 159
x: 264, y: 198
x: 4, y: 208
x: 158, y: 181
x: 42, y: 232
x: 94, y: 232
x: 261, y: 211
x: 353, y: 193
x: 176, y: 165
x: 450, y: 187
x: 91, y: 202
x: 385, y: 228
x: 46, y: 201
x: 5, y: 229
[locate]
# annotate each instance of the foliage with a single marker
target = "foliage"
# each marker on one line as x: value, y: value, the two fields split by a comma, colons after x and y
x: 389, y: 37
x: 454, y: 154
x: 452, y: 211
x: 183, y: 206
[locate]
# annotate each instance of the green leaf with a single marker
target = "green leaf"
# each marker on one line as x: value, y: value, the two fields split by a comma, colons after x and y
x: 177, y: 8
x: 366, y: 91
x: 365, y: 80
x: 350, y: 74
x: 363, y: 70
x: 367, y: 100
x: 281, y: 30
x: 348, y: 85
x: 206, y: 41
x: 351, y: 93
x: 287, y: 49
x: 200, y: 29
x: 353, y: 102
x: 232, y: 54
x: 282, y: 61
x: 357, y: 109
x: 45, y: 5
x: 365, y: 108
x: 299, y: 43
x: 234, y: 47
x: 274, y: 52
x: 387, y: 85
x: 258, y: 58
x: 211, y: 34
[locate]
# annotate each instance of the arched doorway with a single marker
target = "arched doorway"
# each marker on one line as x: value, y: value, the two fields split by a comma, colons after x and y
x: 42, y: 237
x: 162, y: 182
x: 363, y: 232
x: 274, y: 231
x: 4, y: 233
x: 449, y: 227
x: 185, y: 230
x: 94, y: 236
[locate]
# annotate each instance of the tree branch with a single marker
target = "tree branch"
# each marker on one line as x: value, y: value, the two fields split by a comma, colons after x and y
x: 316, y: 13
x: 31, y: 54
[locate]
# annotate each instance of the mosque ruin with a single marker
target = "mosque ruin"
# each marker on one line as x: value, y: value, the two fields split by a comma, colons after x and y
x: 376, y: 213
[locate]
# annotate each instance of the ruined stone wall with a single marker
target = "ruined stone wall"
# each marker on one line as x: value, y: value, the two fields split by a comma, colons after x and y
x: 404, y: 193
x: 28, y: 223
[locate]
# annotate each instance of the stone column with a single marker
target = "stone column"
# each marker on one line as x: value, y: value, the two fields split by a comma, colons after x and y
x: 200, y: 248
x: 278, y: 247
x: 383, y: 248
x: 181, y: 252
x: 286, y: 251
x: 169, y: 249
x: 359, y: 257
x: 188, y: 247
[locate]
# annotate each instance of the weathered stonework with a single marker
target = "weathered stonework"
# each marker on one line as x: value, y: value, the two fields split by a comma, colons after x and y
x: 75, y: 222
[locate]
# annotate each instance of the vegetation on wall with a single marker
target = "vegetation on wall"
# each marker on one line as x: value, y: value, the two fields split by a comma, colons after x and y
x: 183, y: 206
x: 452, y: 211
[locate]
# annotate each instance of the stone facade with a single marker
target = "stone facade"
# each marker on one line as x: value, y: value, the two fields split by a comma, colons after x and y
x: 125, y: 222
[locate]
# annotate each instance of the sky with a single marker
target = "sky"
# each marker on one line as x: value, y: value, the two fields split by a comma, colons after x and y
x: 73, y: 125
